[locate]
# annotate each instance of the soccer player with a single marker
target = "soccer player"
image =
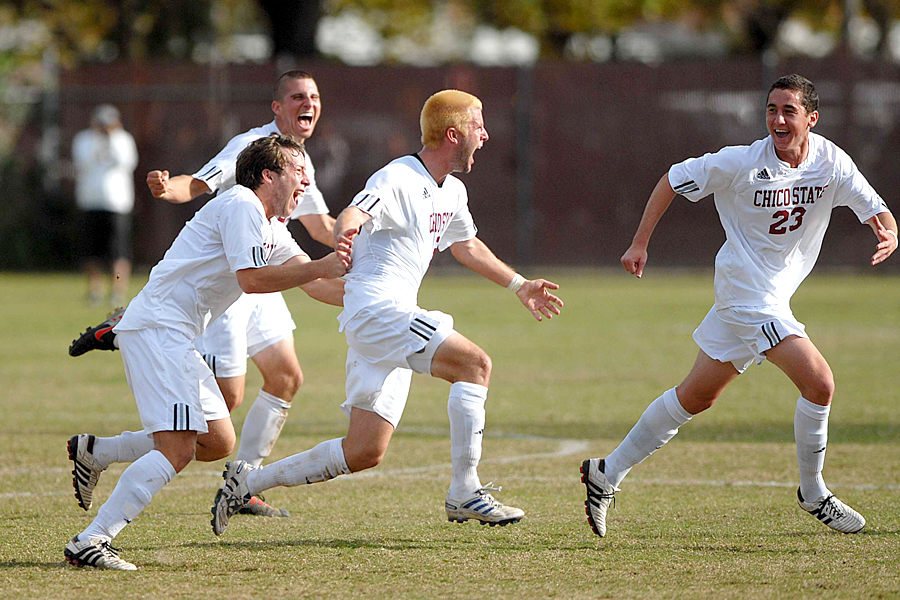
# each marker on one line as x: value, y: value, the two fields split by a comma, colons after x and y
x: 257, y: 325
x: 774, y: 199
x: 224, y: 250
x: 410, y: 209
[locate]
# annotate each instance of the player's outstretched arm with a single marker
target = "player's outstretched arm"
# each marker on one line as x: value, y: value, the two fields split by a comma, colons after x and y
x: 329, y: 291
x: 320, y: 228
x: 661, y: 197
x: 293, y: 273
x: 534, y: 294
x: 178, y: 189
x: 885, y: 227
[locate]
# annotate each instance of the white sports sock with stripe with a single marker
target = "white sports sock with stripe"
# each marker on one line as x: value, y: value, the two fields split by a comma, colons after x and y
x: 261, y: 428
x: 321, y: 463
x: 126, y: 447
x: 467, y: 417
x: 133, y: 493
x: 658, y: 425
x: 811, y: 437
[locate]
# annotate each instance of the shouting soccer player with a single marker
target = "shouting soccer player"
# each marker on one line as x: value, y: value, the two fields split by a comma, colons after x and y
x: 257, y: 325
x: 774, y: 199
x: 236, y: 243
x: 410, y: 209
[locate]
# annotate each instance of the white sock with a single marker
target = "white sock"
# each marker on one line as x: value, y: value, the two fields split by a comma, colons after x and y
x: 134, y: 491
x: 115, y: 340
x: 126, y: 447
x: 321, y: 463
x: 262, y: 427
x: 811, y: 436
x: 466, y: 411
x: 658, y: 425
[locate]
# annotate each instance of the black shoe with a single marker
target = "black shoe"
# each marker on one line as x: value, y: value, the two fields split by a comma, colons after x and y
x: 99, y: 337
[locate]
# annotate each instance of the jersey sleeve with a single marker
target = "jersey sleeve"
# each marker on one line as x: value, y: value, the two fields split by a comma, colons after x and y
x: 241, y: 227
x: 219, y: 172
x: 461, y: 226
x: 312, y: 202
x: 696, y: 178
x: 379, y: 201
x: 285, y: 247
x: 854, y: 191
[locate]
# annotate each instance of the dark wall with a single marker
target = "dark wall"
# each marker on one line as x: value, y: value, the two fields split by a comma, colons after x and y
x: 575, y: 149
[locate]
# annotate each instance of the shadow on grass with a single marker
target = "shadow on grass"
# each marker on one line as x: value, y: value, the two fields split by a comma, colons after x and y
x: 30, y: 564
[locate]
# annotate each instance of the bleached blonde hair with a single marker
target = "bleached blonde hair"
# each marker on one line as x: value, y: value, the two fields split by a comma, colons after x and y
x: 445, y: 109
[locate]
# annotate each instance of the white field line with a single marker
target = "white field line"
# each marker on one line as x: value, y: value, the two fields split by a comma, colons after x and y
x: 564, y: 448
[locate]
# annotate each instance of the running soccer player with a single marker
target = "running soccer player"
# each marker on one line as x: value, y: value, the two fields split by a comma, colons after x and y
x: 409, y: 210
x: 774, y: 199
x: 235, y: 243
x: 257, y: 325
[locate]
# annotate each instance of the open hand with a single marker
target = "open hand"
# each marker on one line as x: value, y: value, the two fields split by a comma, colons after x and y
x: 536, y: 297
x: 887, y: 242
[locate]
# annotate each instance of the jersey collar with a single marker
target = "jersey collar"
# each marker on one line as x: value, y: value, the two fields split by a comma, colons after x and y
x: 427, y: 172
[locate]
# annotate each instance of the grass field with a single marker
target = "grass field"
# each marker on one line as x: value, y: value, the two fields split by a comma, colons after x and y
x: 713, y: 514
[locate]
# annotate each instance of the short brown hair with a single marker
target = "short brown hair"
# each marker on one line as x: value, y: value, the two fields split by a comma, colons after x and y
x: 264, y: 153
x: 445, y: 109
x: 278, y: 90
x: 809, y: 97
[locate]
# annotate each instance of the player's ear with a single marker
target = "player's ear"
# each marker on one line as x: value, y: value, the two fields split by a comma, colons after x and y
x: 813, y: 118
x: 276, y: 107
x: 452, y: 134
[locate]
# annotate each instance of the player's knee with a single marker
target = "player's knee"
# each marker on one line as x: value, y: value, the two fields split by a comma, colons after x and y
x: 480, y: 368
x: 233, y: 398
x: 360, y: 459
x: 820, y: 391
x: 285, y: 383
x: 696, y: 401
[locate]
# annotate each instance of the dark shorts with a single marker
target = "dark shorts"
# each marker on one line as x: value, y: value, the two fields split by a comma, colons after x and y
x: 105, y: 235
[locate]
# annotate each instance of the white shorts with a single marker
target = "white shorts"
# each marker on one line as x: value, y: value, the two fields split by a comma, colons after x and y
x: 742, y: 334
x: 253, y: 323
x: 387, y: 344
x: 172, y: 385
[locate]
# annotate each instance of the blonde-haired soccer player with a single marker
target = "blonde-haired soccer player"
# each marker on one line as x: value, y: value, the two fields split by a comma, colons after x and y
x: 410, y: 209
x: 774, y: 199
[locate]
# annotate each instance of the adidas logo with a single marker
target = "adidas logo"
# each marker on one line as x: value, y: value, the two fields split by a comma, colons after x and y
x: 426, y: 194
x: 764, y: 174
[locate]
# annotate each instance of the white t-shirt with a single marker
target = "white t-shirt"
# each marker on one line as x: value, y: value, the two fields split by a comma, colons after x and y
x: 104, y: 170
x: 774, y: 216
x: 195, y: 281
x: 412, y: 218
x: 219, y: 172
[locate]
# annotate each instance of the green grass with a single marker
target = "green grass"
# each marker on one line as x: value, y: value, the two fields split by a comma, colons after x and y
x: 711, y: 515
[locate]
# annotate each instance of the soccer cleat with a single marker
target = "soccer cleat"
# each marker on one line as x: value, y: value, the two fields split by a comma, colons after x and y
x: 99, y: 337
x: 233, y: 495
x: 87, y: 470
x: 482, y: 507
x: 260, y: 508
x: 833, y: 512
x: 95, y: 553
x: 600, y: 493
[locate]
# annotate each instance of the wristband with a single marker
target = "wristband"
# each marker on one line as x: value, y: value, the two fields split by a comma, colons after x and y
x: 891, y: 231
x: 516, y: 284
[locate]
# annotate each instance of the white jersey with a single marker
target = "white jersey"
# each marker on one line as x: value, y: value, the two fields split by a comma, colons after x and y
x: 104, y: 170
x: 219, y: 172
x: 412, y: 218
x: 774, y: 216
x: 195, y: 281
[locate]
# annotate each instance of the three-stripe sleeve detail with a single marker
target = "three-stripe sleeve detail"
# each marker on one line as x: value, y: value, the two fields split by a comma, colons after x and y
x: 367, y: 202
x: 210, y: 173
x: 258, y: 255
x: 687, y: 187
